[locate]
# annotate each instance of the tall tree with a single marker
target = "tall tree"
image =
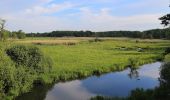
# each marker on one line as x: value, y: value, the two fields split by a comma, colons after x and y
x: 165, y: 20
x: 2, y: 24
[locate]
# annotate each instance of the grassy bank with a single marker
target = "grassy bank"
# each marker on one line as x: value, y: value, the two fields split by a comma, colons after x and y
x: 81, y: 57
x: 87, y: 57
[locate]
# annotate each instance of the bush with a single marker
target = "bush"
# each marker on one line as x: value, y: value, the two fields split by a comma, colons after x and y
x: 30, y: 57
x: 167, y: 58
x: 167, y: 51
x: 19, y: 34
x: 165, y: 72
x: 17, y: 76
x: 132, y: 62
x: 13, y: 80
x: 7, y: 71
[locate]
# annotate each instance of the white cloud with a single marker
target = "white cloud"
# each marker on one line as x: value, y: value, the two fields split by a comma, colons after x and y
x: 41, y: 16
x: 86, y: 20
x: 69, y: 91
x: 105, y: 21
x: 52, y: 8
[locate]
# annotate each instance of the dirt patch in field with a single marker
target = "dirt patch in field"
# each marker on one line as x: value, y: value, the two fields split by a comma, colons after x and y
x: 51, y: 42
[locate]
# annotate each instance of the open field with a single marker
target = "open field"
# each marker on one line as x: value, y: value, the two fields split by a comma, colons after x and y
x: 67, y: 58
x: 87, y: 57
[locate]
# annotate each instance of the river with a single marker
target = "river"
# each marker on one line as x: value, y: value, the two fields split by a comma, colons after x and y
x: 115, y: 84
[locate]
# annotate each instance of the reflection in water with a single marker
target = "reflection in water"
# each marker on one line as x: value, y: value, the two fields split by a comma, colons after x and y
x: 113, y: 84
x: 38, y: 93
x: 159, y: 93
x: 133, y: 73
x: 69, y: 91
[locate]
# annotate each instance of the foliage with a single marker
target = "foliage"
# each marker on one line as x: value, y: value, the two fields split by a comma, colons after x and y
x: 167, y: 51
x: 106, y: 98
x: 148, y: 34
x: 19, y: 34
x: 5, y: 35
x: 167, y: 58
x: 2, y: 24
x: 165, y: 19
x: 30, y: 57
x: 141, y: 94
x: 18, y: 77
x: 165, y: 72
x: 7, y: 71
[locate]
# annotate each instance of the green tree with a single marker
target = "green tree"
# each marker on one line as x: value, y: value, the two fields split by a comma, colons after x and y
x: 19, y: 34
x: 13, y: 35
x: 5, y: 35
x: 165, y: 20
x: 2, y: 24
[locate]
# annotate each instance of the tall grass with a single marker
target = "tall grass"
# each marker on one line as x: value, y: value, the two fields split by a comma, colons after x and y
x: 88, y: 58
x: 83, y: 59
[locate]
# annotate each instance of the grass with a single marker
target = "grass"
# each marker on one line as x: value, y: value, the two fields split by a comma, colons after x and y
x: 75, y: 58
x: 167, y: 58
x: 86, y: 57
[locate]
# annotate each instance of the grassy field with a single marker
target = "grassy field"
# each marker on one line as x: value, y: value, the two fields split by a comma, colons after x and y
x: 81, y: 57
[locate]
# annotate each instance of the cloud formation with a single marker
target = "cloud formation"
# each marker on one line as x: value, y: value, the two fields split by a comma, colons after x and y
x: 95, y: 15
x: 51, y: 8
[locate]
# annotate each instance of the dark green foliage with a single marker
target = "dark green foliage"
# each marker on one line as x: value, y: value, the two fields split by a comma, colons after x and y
x: 141, y: 94
x: 7, y: 80
x: 18, y: 77
x: 37, y: 93
x: 9, y: 83
x: 148, y: 34
x: 19, y: 34
x: 2, y: 25
x: 5, y: 35
x: 30, y: 57
x: 165, y: 72
x: 106, y: 98
x: 165, y: 19
x: 160, y: 93
x: 132, y: 62
x: 167, y: 51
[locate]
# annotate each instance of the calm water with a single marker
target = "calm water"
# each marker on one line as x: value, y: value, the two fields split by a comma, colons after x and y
x: 113, y: 84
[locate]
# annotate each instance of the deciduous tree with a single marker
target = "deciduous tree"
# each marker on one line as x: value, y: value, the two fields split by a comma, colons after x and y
x: 2, y: 24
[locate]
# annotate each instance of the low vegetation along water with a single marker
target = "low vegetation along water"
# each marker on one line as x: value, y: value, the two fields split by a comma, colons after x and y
x: 53, y: 62
x: 116, y: 84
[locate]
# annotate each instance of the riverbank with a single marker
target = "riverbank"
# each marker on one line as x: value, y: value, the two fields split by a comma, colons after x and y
x: 114, y: 84
x: 89, y: 57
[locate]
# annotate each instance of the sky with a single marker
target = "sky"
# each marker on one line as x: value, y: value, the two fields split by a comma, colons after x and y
x: 93, y: 15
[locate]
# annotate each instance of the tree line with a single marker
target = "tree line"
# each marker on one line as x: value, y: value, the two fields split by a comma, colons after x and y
x: 5, y: 34
x: 149, y: 34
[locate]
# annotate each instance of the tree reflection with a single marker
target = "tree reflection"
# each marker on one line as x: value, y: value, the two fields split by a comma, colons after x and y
x: 133, y: 74
x: 159, y: 93
x: 37, y: 93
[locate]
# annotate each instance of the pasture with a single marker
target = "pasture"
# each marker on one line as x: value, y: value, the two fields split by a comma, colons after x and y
x: 81, y: 57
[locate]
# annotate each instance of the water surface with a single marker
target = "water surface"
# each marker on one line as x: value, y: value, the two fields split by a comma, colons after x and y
x: 118, y: 84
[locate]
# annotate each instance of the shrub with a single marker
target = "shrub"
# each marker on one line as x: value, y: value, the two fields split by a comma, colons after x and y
x: 165, y: 72
x: 30, y: 57
x: 132, y: 62
x: 167, y: 51
x: 7, y: 71
x: 19, y: 34
x: 167, y: 58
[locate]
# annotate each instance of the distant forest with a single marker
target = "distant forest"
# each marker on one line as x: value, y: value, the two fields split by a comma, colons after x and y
x: 149, y: 34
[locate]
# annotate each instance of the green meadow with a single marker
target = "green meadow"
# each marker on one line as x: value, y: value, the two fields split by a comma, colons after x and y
x: 29, y: 61
x: 86, y: 57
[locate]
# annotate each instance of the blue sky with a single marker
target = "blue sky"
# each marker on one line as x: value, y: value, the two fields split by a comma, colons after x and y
x: 94, y: 15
